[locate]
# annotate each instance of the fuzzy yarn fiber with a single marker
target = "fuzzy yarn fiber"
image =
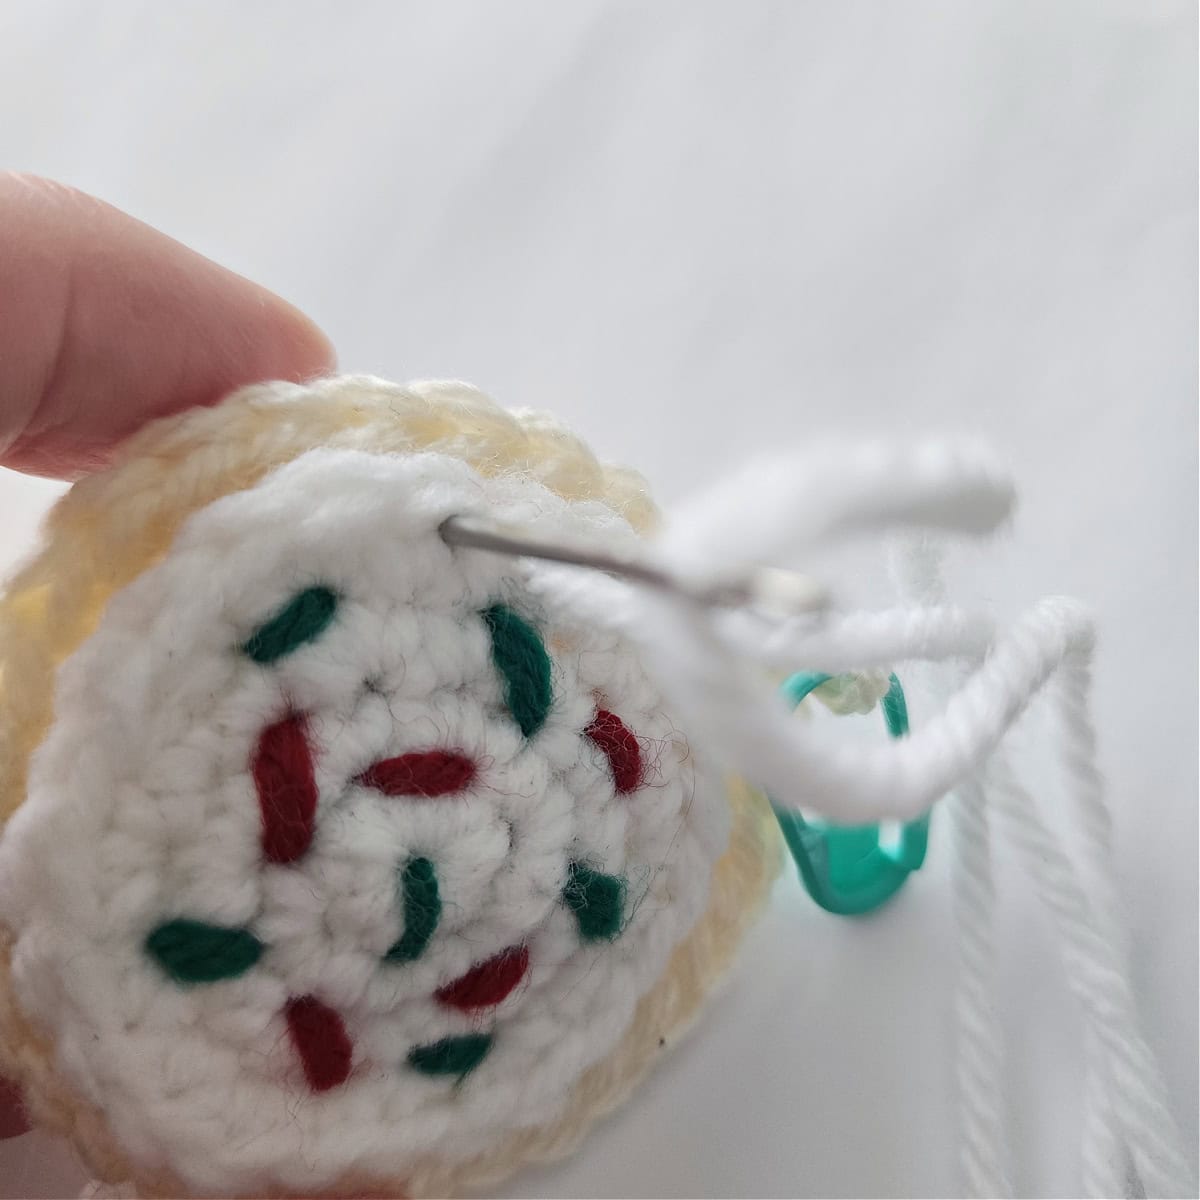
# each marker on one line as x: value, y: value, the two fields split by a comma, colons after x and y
x: 334, y: 864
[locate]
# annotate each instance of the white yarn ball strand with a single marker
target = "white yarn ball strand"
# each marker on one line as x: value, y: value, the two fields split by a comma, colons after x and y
x: 718, y: 670
x: 984, y: 1149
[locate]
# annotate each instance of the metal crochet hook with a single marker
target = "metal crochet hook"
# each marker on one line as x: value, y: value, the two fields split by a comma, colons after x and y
x: 783, y: 593
x: 847, y: 870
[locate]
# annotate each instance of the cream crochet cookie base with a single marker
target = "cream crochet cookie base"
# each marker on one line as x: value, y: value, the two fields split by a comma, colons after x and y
x: 155, y: 710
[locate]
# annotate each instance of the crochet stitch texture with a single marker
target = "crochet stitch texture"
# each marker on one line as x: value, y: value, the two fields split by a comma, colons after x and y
x: 342, y: 863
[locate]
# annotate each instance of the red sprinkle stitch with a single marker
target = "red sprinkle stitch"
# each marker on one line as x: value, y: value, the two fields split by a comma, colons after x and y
x: 423, y: 773
x: 487, y: 983
x: 321, y: 1040
x: 620, y: 747
x: 287, y: 791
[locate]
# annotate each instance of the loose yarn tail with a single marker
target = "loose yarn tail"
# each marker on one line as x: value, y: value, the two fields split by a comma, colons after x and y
x: 716, y: 666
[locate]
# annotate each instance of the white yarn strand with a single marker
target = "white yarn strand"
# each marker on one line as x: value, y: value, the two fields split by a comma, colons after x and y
x: 980, y: 1057
x: 716, y: 682
x: 1107, y: 1167
x: 984, y: 1150
x: 714, y: 667
x: 1102, y: 989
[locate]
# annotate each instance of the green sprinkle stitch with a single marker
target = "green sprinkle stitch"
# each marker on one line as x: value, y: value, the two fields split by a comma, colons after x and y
x: 597, y: 900
x: 521, y: 659
x: 301, y: 620
x: 196, y: 952
x: 422, y: 907
x: 451, y: 1056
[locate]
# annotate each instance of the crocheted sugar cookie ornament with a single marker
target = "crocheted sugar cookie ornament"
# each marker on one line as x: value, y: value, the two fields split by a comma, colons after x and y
x: 336, y: 861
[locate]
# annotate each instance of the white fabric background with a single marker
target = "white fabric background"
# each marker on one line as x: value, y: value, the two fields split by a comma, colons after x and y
x: 695, y: 230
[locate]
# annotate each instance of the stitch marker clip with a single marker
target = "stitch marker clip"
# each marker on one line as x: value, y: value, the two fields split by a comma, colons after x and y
x: 853, y: 869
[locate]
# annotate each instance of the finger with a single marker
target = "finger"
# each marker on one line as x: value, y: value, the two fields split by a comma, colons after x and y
x: 106, y: 323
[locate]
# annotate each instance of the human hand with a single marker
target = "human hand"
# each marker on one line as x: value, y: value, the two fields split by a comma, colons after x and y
x: 105, y: 324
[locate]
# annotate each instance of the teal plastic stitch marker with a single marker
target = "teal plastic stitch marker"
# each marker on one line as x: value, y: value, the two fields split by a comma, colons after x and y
x: 849, y: 869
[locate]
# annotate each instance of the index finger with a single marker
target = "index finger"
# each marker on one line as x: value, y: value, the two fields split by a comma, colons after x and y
x: 106, y: 323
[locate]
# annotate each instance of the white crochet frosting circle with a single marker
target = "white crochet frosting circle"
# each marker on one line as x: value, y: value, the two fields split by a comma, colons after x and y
x: 143, y: 809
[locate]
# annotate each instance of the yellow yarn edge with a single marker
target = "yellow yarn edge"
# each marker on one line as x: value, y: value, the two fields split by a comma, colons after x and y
x: 112, y: 526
